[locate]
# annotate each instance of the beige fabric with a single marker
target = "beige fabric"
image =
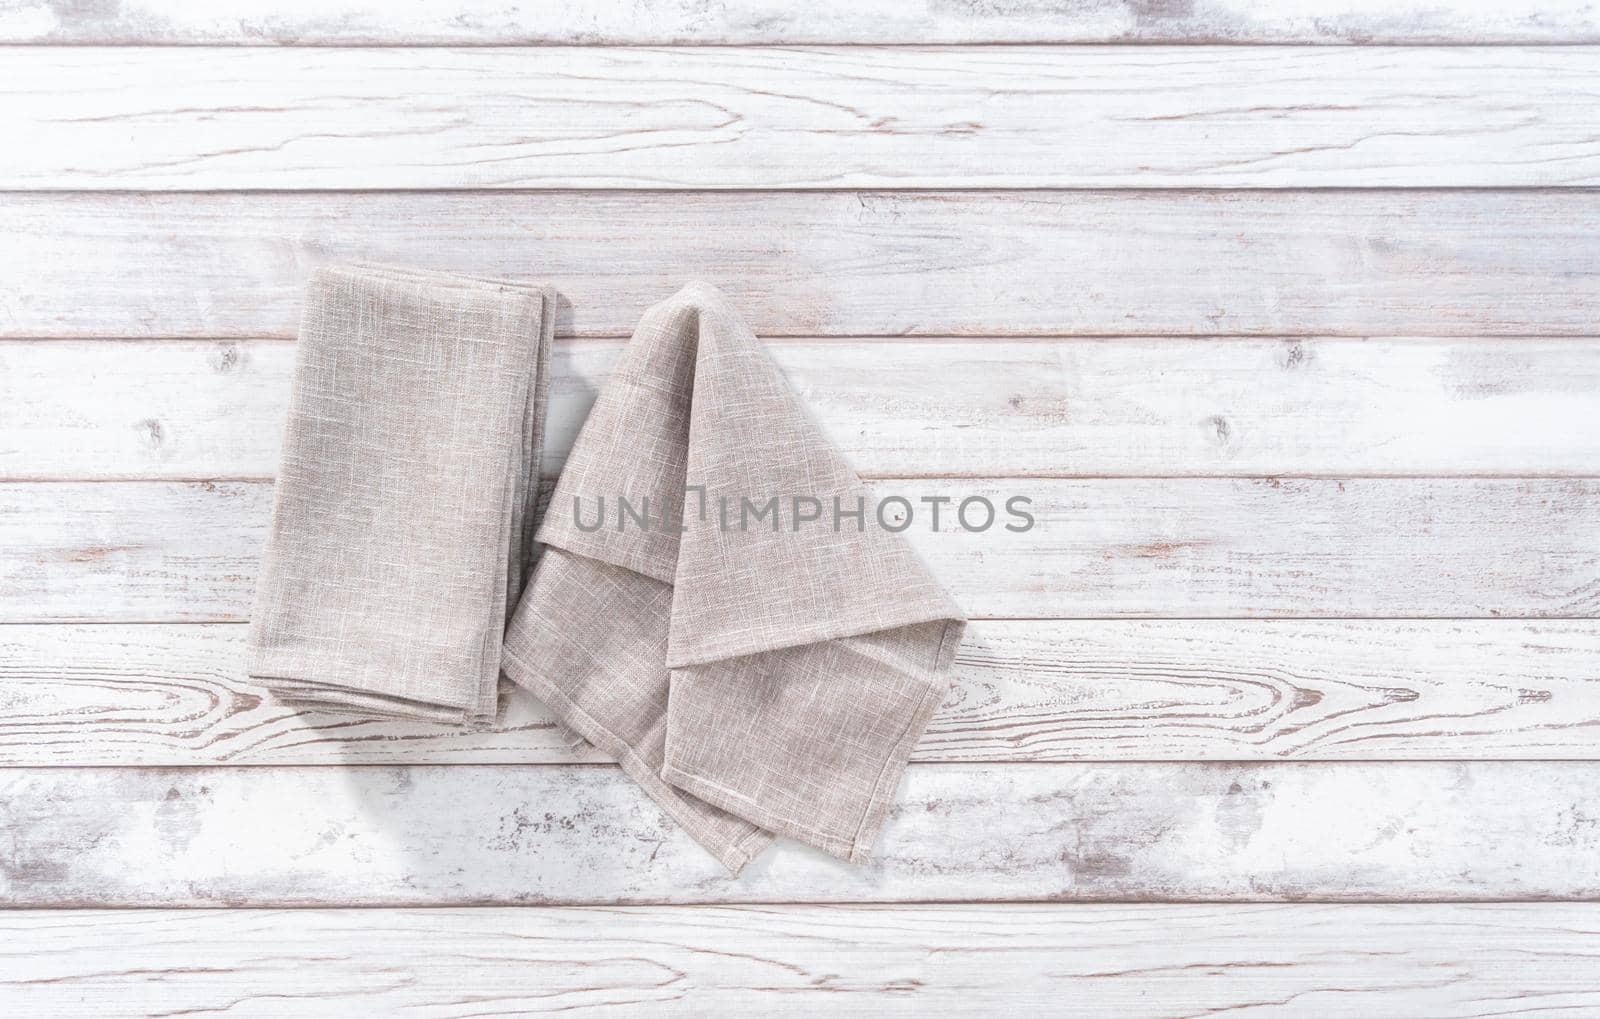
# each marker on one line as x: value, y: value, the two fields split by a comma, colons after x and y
x: 755, y: 677
x: 401, y: 529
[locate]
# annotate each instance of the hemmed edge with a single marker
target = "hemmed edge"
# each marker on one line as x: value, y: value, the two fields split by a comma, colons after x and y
x: 855, y: 847
x: 732, y: 855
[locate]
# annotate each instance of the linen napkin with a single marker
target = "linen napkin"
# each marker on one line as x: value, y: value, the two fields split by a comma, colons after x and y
x: 401, y: 527
x: 717, y: 606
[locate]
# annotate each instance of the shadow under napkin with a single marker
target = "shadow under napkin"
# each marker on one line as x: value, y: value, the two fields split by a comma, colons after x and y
x: 756, y: 674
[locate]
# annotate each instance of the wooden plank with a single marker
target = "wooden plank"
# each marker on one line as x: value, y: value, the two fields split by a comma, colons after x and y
x: 118, y: 562
x: 656, y: 22
x: 1404, y: 547
x: 573, y: 834
x: 877, y: 117
x: 1029, y: 690
x: 1137, y: 961
x: 201, y: 410
x: 1343, y: 263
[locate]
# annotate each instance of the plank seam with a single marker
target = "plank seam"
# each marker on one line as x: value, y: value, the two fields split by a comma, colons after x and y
x: 703, y: 192
x: 977, y: 618
x: 1218, y: 42
x: 87, y: 905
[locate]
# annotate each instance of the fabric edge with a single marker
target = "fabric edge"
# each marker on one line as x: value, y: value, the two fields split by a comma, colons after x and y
x: 818, y: 631
x: 732, y: 855
x: 883, y: 793
x: 855, y: 846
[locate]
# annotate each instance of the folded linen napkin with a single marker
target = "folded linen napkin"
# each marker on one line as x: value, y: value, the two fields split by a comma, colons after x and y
x: 756, y: 674
x: 401, y: 526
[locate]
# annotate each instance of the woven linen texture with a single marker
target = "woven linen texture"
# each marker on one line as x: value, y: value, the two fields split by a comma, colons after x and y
x: 756, y: 678
x: 401, y: 527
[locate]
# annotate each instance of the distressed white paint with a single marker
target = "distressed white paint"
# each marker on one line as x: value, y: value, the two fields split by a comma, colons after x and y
x: 1086, y: 407
x: 992, y: 117
x: 654, y: 22
x: 1452, y: 263
x: 1411, y: 547
x: 565, y: 834
x: 1132, y: 961
x: 1024, y: 690
x: 1485, y: 273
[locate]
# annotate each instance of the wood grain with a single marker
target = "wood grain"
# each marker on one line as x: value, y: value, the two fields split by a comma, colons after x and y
x: 1133, y: 961
x: 1341, y: 263
x: 989, y: 117
x: 1028, y: 690
x: 1404, y: 547
x: 571, y: 834
x: 491, y: 22
x: 1177, y: 407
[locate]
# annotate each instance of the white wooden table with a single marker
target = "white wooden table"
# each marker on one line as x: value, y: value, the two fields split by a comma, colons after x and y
x: 1289, y: 706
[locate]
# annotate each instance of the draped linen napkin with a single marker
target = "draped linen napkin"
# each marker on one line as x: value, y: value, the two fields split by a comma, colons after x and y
x: 755, y: 676
x: 401, y: 526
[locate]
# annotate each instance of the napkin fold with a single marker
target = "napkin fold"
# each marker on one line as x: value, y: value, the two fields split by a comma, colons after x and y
x: 718, y: 607
x: 402, y: 525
